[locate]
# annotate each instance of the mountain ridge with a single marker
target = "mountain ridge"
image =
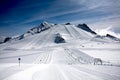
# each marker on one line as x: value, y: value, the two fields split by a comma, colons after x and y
x: 45, y: 26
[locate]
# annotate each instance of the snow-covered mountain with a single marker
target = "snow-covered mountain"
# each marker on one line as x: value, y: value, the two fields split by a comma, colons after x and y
x: 112, y: 37
x: 107, y: 38
x: 86, y: 28
x: 60, y: 52
x: 2, y: 38
x: 45, y: 26
x: 35, y: 30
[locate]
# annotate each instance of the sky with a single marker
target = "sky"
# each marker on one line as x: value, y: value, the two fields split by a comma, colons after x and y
x: 18, y: 16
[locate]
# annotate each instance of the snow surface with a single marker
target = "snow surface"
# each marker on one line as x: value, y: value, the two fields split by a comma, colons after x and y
x: 43, y: 59
x: 2, y: 38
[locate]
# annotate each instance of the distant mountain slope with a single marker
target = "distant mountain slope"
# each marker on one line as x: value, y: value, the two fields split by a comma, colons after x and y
x: 35, y: 30
x: 86, y: 28
x: 60, y: 52
x: 2, y: 38
x: 81, y: 31
x: 112, y: 37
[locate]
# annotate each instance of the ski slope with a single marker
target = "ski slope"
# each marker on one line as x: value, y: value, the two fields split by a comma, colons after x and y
x: 43, y: 59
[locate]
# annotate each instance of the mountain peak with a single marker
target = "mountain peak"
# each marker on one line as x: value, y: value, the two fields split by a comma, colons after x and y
x: 44, y: 23
x: 86, y: 28
x: 71, y: 29
x: 67, y: 23
x: 112, y: 37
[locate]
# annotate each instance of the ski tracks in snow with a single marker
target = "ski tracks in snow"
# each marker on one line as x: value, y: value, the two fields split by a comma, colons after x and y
x: 72, y: 32
x: 99, y: 74
x: 76, y: 74
x: 70, y: 72
x: 44, y: 58
x: 38, y: 40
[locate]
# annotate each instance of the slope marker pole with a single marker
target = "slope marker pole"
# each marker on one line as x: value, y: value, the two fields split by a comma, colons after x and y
x: 19, y: 59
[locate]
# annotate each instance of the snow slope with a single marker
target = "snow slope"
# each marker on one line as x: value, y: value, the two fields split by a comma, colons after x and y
x: 43, y: 59
x: 2, y: 38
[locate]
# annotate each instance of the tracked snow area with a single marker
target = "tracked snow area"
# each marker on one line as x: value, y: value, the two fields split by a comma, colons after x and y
x: 43, y: 59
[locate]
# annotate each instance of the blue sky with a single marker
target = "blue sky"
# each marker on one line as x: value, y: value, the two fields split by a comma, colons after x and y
x: 17, y: 16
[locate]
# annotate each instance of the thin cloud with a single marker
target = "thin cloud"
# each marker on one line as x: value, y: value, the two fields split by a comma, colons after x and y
x: 105, y: 6
x: 102, y: 13
x: 108, y: 30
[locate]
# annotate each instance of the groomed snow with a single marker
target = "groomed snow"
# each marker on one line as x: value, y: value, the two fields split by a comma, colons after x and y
x: 42, y: 59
